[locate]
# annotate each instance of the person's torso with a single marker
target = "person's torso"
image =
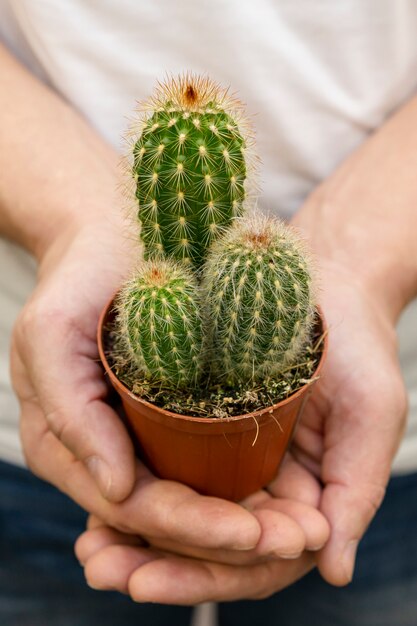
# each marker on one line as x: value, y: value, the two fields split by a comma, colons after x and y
x: 317, y: 78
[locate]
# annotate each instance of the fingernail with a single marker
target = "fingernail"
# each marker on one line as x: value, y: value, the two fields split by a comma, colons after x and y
x: 241, y: 548
x: 348, y: 558
x: 101, y: 587
x: 289, y: 556
x: 101, y: 473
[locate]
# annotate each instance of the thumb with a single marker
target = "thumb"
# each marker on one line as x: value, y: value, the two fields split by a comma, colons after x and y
x: 349, y: 509
x: 54, y: 361
x: 355, y: 471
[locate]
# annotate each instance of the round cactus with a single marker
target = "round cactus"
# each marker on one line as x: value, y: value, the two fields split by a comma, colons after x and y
x: 159, y: 326
x: 259, y: 301
x: 189, y: 167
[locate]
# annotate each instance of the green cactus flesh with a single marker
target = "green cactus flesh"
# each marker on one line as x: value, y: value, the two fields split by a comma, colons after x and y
x: 259, y: 303
x: 189, y: 171
x: 158, y: 322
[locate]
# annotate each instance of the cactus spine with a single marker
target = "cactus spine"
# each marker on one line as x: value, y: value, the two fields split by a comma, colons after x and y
x: 159, y: 326
x: 259, y: 302
x: 189, y: 168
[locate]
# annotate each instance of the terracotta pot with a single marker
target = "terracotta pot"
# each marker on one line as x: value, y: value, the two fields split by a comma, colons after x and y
x: 230, y: 457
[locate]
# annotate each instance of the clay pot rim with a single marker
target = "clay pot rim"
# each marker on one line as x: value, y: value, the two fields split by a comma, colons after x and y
x: 207, y: 420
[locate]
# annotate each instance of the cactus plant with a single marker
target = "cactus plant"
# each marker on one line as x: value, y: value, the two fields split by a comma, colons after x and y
x: 189, y: 167
x: 231, y: 335
x: 158, y: 324
x: 259, y: 300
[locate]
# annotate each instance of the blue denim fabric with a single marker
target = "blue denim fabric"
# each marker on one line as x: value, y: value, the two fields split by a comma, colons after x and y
x: 384, y: 587
x: 41, y: 582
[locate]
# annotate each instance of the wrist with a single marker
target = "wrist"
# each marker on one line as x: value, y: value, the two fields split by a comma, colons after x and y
x: 93, y: 206
x: 65, y: 225
x: 98, y: 239
x: 377, y: 264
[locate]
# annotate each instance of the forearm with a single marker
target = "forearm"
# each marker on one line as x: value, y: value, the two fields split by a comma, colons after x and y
x: 364, y: 216
x: 56, y: 173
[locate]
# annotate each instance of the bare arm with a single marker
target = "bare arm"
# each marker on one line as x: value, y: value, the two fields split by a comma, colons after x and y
x: 364, y: 217
x: 362, y: 222
x: 55, y: 171
x: 57, y: 193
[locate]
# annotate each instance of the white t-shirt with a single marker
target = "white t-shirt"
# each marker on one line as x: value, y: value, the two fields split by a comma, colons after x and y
x: 319, y: 77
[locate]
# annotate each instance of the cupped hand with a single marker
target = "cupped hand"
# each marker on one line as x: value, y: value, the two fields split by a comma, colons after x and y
x: 159, y: 570
x: 354, y: 422
x: 54, y: 360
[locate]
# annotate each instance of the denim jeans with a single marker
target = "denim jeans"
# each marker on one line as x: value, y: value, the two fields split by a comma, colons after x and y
x: 41, y: 583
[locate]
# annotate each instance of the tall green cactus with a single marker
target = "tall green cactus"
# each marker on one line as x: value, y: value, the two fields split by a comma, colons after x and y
x: 259, y: 301
x: 158, y: 324
x: 189, y: 167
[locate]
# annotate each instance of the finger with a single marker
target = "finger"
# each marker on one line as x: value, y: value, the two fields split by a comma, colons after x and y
x: 311, y: 440
x: 168, y: 579
x: 281, y: 537
x: 92, y: 541
x: 349, y: 510
x: 295, y: 482
x: 311, y: 522
x: 230, y: 557
x: 112, y: 567
x: 160, y: 509
x: 189, y: 582
x: 314, y: 525
x: 305, y: 460
x: 155, y: 508
x: 356, y: 470
x: 60, y: 361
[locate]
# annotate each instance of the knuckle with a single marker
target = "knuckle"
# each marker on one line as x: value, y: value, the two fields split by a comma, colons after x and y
x: 61, y: 425
x: 37, y: 318
x: 29, y: 320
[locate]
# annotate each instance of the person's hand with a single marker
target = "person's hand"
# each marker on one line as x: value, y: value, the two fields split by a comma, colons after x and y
x: 55, y: 369
x: 159, y: 570
x: 73, y: 438
x: 354, y: 422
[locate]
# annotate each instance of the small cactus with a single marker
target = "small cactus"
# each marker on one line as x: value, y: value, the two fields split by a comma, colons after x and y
x: 158, y: 324
x: 259, y: 301
x: 189, y: 167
